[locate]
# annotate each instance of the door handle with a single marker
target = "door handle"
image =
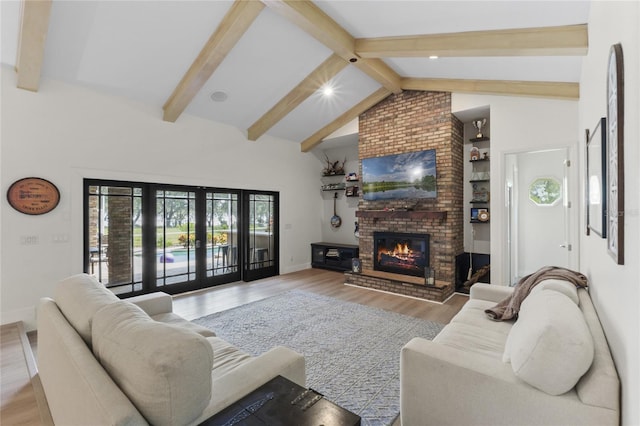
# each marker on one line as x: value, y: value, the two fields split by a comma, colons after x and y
x: 567, y: 246
x: 197, y: 244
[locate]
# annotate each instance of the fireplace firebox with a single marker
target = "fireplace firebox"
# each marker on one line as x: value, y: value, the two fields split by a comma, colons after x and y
x: 400, y: 253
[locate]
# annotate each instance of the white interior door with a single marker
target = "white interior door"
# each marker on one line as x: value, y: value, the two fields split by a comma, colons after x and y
x: 538, y: 205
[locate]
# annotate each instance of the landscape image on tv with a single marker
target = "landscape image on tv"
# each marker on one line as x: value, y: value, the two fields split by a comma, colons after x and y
x: 408, y: 175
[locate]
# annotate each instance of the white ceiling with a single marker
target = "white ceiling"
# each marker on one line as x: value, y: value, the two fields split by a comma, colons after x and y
x: 141, y: 50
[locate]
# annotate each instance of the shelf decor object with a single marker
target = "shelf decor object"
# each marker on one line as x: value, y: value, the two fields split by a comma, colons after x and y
x: 33, y: 196
x: 615, y: 154
x: 333, y: 168
x: 479, y: 215
x: 479, y: 124
x: 596, y: 160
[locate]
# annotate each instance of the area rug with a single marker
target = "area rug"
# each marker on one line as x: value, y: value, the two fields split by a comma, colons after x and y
x: 352, y: 351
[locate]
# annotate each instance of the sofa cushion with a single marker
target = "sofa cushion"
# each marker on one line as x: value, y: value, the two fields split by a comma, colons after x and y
x: 175, y: 319
x: 473, y: 313
x: 564, y: 287
x: 226, y: 357
x: 165, y: 370
x: 550, y: 346
x: 79, y: 297
x: 473, y: 338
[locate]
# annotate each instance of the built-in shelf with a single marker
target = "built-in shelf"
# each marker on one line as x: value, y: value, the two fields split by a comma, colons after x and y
x: 401, y: 214
x: 482, y: 139
x: 481, y: 160
x: 479, y: 180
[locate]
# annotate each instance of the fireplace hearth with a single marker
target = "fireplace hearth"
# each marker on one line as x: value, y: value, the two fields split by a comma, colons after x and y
x: 401, y: 253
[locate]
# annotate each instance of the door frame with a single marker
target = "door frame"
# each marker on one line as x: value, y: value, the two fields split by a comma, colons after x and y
x: 149, y: 232
x: 572, y: 193
x: 273, y: 267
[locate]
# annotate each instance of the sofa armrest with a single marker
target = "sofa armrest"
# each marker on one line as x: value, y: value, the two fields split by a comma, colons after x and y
x: 242, y: 380
x: 489, y: 292
x: 153, y: 303
x: 443, y: 385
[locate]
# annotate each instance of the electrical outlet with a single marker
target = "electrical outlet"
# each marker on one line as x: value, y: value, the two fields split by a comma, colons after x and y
x: 60, y: 238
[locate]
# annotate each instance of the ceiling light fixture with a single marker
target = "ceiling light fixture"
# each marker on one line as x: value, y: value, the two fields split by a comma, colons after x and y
x: 327, y: 90
x: 219, y: 96
x: 433, y: 57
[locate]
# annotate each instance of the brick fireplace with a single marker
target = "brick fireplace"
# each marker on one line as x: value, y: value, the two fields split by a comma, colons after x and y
x: 408, y: 122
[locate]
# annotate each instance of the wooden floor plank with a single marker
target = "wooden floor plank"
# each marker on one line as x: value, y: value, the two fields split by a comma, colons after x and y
x: 19, y: 397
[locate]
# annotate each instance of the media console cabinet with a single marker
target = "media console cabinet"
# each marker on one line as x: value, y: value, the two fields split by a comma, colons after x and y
x: 333, y: 256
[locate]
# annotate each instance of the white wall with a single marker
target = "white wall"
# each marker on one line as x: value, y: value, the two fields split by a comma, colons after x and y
x: 65, y: 133
x: 615, y: 289
x: 518, y: 125
x: 345, y: 206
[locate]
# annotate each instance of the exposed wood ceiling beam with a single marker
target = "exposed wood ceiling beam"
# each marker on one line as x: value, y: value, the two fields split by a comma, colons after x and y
x: 543, y: 41
x: 325, y: 72
x: 323, y: 28
x: 34, y: 26
x: 544, y: 89
x: 234, y: 24
x: 371, y: 100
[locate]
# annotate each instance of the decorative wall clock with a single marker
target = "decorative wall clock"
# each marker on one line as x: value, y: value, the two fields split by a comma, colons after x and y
x: 615, y: 154
x: 33, y: 196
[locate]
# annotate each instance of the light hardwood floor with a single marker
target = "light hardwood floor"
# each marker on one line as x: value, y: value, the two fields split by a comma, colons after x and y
x: 328, y: 283
x: 20, y: 383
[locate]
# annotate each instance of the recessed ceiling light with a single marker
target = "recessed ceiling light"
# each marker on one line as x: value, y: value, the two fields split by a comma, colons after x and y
x: 327, y: 90
x: 433, y: 57
x: 219, y: 96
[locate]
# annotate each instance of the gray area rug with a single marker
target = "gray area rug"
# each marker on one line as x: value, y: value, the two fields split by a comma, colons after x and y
x: 352, y: 352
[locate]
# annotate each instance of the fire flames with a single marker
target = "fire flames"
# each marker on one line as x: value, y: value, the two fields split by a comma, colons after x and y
x: 400, y: 251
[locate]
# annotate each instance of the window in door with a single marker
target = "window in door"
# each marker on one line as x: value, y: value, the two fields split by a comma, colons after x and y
x: 113, y: 229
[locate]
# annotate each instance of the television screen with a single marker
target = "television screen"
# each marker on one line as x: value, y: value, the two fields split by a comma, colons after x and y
x: 408, y: 175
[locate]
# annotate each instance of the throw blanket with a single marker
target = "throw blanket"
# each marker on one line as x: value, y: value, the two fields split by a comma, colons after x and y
x: 508, y: 308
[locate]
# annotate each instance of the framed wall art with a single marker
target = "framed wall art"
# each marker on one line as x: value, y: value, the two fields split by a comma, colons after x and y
x: 33, y: 196
x: 596, y: 160
x: 615, y: 154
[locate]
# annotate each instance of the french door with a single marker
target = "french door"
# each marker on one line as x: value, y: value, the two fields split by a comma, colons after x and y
x: 148, y: 237
x: 260, y: 237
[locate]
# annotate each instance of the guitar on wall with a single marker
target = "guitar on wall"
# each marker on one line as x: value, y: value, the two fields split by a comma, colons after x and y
x: 335, y: 219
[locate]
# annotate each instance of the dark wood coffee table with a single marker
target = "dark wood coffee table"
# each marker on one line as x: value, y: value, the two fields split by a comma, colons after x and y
x: 280, y: 402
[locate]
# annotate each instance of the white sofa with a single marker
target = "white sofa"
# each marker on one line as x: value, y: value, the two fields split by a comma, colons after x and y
x: 550, y: 367
x: 106, y: 361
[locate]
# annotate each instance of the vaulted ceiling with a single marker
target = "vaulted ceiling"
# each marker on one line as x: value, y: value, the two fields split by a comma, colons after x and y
x: 262, y: 66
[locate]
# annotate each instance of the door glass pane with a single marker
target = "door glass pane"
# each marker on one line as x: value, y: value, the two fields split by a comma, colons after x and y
x: 175, y: 237
x: 261, y: 221
x: 115, y: 244
x: 222, y: 233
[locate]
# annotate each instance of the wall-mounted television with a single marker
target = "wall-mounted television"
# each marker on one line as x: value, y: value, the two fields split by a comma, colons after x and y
x: 408, y: 175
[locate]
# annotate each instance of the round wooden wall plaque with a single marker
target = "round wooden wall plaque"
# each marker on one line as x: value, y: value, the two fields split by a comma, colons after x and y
x: 33, y: 196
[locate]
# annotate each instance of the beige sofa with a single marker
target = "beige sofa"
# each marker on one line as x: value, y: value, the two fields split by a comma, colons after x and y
x: 106, y: 361
x: 551, y: 367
